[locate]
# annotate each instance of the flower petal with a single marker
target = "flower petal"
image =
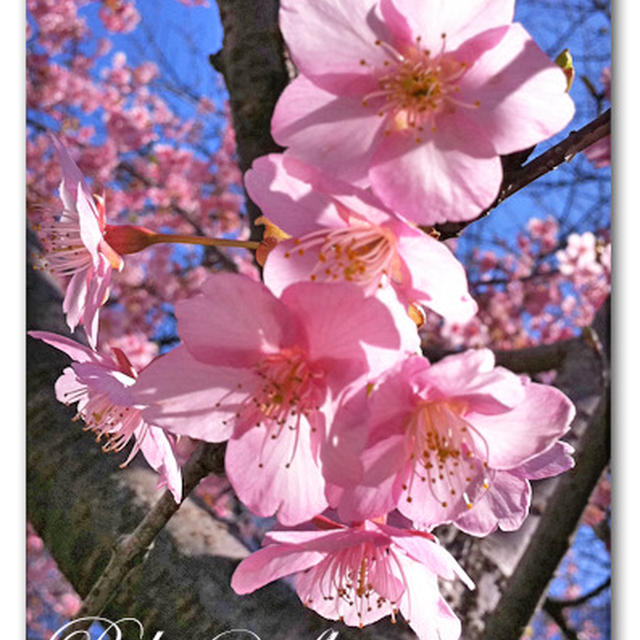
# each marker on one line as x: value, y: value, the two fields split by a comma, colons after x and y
x: 522, y: 93
x: 287, y: 201
x: 158, y: 452
x: 233, y: 321
x: 527, y: 430
x: 180, y: 393
x: 283, y: 478
x: 269, y: 564
x: 335, y: 36
x: 459, y: 20
x: 334, y: 133
x: 452, y: 174
x: 438, y: 280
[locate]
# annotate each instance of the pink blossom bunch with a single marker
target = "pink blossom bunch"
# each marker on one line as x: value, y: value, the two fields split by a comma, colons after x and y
x: 119, y: 16
x: 313, y: 377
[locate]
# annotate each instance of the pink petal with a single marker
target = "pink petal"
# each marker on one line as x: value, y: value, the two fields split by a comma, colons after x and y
x: 68, y: 385
x: 527, y: 430
x: 460, y: 20
x: 97, y: 294
x: 329, y: 38
x: 75, y: 298
x: 180, y: 394
x: 442, y: 624
x: 556, y: 460
x: 347, y: 437
x: 438, y: 280
x: 522, y: 93
x: 334, y: 133
x: 158, y: 452
x: 452, y: 174
x: 72, y: 180
x: 289, y: 202
x: 506, y: 504
x: 90, y: 230
x: 430, y: 554
x: 289, y: 483
x: 470, y: 375
x: 401, y: 33
x: 334, y: 335
x: 373, y: 496
x: 285, y: 266
x: 108, y: 381
x: 73, y: 349
x: 269, y: 564
x: 233, y: 321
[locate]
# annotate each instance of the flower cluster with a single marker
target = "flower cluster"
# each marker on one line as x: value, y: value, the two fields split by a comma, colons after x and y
x: 335, y: 422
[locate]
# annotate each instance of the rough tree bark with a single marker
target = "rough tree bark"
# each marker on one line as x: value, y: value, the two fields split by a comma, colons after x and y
x: 81, y: 503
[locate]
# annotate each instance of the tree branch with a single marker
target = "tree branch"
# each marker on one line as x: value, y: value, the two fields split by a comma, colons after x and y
x: 582, y: 377
x: 576, y: 602
x: 255, y: 74
x: 131, y: 549
x: 544, y: 357
x: 555, y: 613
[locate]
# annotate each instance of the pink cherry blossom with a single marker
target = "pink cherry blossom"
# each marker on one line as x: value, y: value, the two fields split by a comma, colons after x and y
x: 101, y: 386
x: 342, y: 233
x: 75, y: 248
x: 277, y: 378
x: 441, y: 434
x: 360, y: 574
x: 417, y: 98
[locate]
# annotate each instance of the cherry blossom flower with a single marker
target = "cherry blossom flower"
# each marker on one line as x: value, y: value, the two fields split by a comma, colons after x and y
x: 360, y: 574
x: 344, y: 233
x: 101, y: 387
x: 75, y: 248
x: 441, y: 434
x: 284, y: 380
x: 416, y: 98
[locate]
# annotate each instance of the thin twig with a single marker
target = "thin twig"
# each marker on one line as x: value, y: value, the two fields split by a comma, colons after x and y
x: 576, y: 602
x: 132, y: 548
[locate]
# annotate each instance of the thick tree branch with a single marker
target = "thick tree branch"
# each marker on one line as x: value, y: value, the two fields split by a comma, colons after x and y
x: 583, y: 378
x: 543, y: 357
x: 253, y: 63
x: 546, y: 162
